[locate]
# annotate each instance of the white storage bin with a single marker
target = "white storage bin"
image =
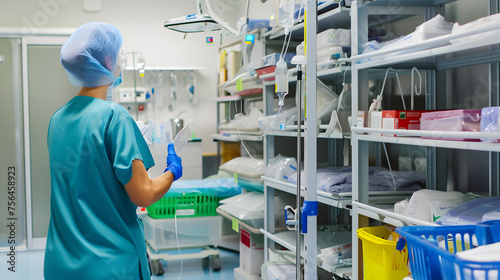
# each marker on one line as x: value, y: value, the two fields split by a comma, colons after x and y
x: 193, y: 232
x: 251, y: 252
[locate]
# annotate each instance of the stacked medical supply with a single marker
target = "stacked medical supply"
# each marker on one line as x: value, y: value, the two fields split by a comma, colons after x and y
x: 451, y: 120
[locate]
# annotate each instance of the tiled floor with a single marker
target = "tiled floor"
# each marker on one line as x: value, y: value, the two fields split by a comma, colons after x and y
x: 29, y: 266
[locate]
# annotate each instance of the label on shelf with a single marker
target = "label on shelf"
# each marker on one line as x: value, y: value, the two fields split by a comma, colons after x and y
x: 236, y: 225
x: 239, y: 84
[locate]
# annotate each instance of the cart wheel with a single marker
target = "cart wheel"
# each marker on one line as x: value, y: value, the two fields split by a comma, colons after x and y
x: 216, y: 263
x: 157, y: 268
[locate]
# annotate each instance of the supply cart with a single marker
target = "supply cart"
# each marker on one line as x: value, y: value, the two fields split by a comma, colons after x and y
x: 184, y: 223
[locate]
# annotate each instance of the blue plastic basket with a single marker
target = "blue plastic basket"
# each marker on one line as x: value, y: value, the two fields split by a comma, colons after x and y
x: 429, y: 261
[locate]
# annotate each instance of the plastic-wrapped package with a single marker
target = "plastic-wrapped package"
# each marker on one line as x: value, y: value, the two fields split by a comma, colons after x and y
x: 249, y: 207
x: 428, y: 205
x: 281, y: 167
x: 337, y: 180
x: 272, y: 59
x: 301, y: 48
x: 249, y: 121
x: 334, y: 38
x: 489, y: 121
x: 251, y: 84
x: 486, y: 37
x: 220, y: 187
x: 472, y: 212
x: 325, y: 54
x: 401, y: 206
x: 326, y: 100
x: 451, y: 120
x: 246, y: 166
x: 335, y: 254
x: 432, y: 28
x: 272, y: 121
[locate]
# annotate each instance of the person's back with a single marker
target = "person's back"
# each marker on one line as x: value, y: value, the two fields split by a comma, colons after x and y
x: 94, y: 215
x: 98, y: 167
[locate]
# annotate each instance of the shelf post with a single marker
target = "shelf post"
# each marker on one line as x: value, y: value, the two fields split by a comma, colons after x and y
x: 310, y: 139
x: 494, y: 157
x: 359, y: 22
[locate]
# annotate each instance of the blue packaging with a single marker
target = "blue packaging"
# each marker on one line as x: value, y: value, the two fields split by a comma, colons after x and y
x: 489, y: 121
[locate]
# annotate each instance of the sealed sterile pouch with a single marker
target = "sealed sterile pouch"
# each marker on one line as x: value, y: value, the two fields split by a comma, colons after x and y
x: 159, y: 135
x: 182, y: 138
x: 159, y: 132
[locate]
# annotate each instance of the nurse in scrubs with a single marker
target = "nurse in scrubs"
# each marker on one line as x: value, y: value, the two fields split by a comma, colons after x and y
x: 98, y: 162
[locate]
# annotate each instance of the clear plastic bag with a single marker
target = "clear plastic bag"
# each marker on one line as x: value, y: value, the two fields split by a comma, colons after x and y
x: 280, y: 168
x: 248, y: 121
x: 477, y: 24
x: 245, y: 166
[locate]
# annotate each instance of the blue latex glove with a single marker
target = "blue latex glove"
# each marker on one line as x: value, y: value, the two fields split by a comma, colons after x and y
x: 174, y: 162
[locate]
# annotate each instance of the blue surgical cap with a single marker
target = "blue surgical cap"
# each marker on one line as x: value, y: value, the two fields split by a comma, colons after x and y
x: 90, y: 55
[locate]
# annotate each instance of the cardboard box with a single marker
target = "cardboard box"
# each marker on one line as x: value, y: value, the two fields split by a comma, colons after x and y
x: 396, y: 119
x: 251, y: 252
x: 362, y: 119
x: 375, y: 120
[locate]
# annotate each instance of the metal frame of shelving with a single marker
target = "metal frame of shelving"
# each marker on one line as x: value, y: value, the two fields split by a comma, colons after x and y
x: 436, y: 59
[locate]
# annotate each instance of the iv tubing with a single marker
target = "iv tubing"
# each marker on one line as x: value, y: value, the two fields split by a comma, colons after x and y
x: 239, y: 133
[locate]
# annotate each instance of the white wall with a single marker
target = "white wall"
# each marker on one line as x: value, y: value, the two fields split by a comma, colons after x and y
x: 141, y: 23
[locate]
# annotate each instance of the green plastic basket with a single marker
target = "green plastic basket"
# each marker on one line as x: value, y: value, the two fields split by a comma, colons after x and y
x: 184, y: 205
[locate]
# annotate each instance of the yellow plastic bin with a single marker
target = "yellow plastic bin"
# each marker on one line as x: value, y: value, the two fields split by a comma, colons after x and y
x: 381, y: 260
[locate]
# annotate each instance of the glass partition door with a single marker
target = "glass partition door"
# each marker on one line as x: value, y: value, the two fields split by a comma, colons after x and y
x: 12, y: 179
x: 48, y: 90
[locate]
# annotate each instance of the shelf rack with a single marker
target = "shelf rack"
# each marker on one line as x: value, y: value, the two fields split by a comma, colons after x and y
x: 440, y: 57
x: 287, y: 240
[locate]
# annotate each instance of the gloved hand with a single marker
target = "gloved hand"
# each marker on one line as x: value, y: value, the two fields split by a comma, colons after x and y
x: 174, y: 162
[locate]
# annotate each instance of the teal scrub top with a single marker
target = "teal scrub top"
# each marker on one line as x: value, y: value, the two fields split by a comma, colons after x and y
x: 94, y: 232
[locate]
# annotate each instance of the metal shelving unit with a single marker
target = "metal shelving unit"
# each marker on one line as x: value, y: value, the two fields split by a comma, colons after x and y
x: 431, y: 59
x: 328, y: 73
